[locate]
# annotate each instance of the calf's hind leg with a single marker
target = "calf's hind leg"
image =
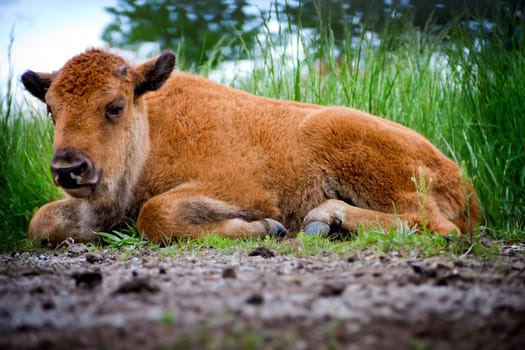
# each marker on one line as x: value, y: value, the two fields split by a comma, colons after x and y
x: 173, y: 215
x: 334, y: 214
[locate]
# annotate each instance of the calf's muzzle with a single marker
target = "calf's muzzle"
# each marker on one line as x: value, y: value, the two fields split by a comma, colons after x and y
x: 74, y: 171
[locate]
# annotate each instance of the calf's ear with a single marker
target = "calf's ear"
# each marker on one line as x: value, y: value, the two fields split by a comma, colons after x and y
x: 37, y: 83
x: 154, y: 73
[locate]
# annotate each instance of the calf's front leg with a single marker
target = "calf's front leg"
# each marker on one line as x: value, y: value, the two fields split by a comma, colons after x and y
x: 59, y: 220
x: 174, y: 214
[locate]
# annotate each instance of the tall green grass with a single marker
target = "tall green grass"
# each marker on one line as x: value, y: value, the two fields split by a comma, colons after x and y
x: 491, y: 93
x: 26, y: 137
x: 468, y: 100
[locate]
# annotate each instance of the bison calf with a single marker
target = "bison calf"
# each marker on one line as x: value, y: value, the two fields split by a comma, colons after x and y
x: 186, y: 156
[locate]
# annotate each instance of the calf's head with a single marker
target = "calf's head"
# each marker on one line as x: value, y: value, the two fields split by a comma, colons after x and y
x: 101, y: 128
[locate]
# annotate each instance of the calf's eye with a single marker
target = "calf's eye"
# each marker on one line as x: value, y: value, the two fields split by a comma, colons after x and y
x: 115, y: 109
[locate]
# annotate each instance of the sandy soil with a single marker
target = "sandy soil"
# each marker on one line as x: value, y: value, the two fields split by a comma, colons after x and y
x: 77, y: 299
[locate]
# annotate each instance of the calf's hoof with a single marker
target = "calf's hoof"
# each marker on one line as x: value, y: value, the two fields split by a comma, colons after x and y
x: 275, y: 228
x: 317, y: 228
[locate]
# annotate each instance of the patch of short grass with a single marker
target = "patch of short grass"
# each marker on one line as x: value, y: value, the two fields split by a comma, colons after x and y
x: 403, y: 243
x: 424, y: 244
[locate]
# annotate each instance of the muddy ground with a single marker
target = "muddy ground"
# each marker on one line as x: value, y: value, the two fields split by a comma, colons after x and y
x: 76, y: 299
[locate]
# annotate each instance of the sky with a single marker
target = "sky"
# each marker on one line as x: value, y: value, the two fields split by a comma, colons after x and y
x: 48, y: 32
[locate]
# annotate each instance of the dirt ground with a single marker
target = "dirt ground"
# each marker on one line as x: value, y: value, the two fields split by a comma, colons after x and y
x: 77, y: 299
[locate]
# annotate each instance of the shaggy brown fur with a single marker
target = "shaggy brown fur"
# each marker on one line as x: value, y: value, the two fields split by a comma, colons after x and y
x: 186, y: 156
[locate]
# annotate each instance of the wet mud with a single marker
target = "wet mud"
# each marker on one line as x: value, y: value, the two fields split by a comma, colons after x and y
x: 77, y: 299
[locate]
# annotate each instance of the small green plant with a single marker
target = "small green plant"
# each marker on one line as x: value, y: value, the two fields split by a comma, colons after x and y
x: 129, y: 241
x: 469, y: 194
x: 422, y: 188
x: 421, y: 344
x: 168, y: 318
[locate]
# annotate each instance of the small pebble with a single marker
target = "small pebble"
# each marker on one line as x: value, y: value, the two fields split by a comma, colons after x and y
x: 94, y: 257
x: 255, y: 299
x: 88, y: 279
x: 77, y: 249
x: 352, y: 258
x: 332, y: 290
x: 263, y: 252
x: 229, y: 272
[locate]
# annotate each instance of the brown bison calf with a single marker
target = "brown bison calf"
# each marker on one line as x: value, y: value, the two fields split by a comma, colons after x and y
x: 185, y: 156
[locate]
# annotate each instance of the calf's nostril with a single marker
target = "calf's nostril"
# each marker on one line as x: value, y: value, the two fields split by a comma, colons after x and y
x: 77, y: 170
x: 70, y: 176
x: 72, y: 169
